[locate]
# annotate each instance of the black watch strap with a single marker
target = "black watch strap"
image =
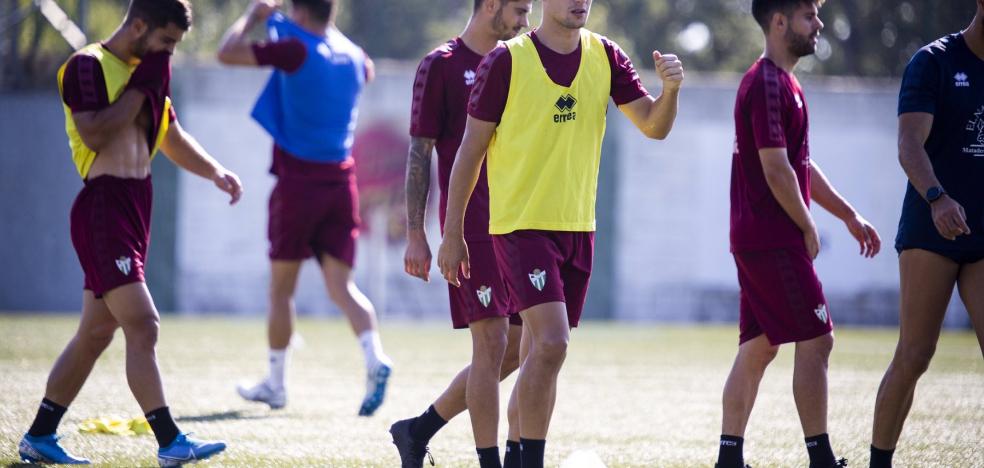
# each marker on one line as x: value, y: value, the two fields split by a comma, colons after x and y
x: 934, y: 193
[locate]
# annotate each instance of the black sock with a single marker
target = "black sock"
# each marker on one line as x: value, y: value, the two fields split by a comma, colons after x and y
x: 512, y: 458
x: 730, y: 454
x: 426, y: 425
x: 821, y: 455
x: 46, y: 422
x: 489, y: 457
x: 531, y: 452
x: 165, y: 430
x: 881, y: 458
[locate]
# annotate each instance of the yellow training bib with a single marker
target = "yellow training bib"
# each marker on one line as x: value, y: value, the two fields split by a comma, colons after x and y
x: 544, y: 156
x: 116, y: 74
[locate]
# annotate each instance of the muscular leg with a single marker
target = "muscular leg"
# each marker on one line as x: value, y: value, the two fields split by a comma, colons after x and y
x: 741, y: 388
x: 523, y: 351
x: 133, y: 308
x: 537, y: 382
x: 96, y: 329
x: 489, y: 341
x: 926, y: 284
x: 347, y: 296
x: 280, y: 321
x: 810, y: 383
x: 971, y: 283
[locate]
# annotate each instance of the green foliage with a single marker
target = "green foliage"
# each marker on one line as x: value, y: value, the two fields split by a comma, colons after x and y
x: 862, y: 38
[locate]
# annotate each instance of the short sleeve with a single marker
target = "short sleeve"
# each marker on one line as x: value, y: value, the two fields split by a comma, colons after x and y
x: 626, y: 85
x: 920, y: 84
x: 763, y: 104
x: 427, y: 109
x: 287, y: 55
x: 83, y: 84
x: 488, y: 97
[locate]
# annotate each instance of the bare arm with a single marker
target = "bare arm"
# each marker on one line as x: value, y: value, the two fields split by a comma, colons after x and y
x: 187, y: 153
x: 416, y: 261
x: 97, y: 128
x: 824, y: 193
x: 236, y: 48
x: 464, y: 175
x: 655, y: 117
x: 827, y: 196
x: 948, y: 215
x: 785, y: 187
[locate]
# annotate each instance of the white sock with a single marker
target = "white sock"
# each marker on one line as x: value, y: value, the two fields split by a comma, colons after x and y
x: 278, y: 368
x: 372, y: 347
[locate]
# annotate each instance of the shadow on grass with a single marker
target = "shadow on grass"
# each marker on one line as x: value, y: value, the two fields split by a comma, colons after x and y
x: 20, y: 465
x: 223, y: 416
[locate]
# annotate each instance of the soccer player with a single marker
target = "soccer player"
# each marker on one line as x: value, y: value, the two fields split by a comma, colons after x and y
x: 773, y: 236
x: 309, y: 107
x: 444, y: 80
x: 941, y: 233
x: 117, y: 115
x: 538, y: 108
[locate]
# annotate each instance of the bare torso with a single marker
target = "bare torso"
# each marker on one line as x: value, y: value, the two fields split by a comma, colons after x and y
x: 127, y: 154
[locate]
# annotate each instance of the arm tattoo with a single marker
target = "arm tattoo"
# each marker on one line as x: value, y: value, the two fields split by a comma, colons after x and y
x: 418, y: 180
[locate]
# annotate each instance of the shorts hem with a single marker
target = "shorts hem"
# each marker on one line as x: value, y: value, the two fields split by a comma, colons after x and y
x: 100, y: 292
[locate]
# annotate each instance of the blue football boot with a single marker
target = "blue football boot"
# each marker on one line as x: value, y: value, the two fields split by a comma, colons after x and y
x: 46, y: 449
x: 185, y: 450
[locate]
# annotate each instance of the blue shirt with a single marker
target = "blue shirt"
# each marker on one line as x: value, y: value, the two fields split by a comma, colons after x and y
x: 946, y: 79
x: 311, y: 112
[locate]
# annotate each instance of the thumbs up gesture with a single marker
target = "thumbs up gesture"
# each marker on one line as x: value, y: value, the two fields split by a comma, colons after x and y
x: 670, y: 70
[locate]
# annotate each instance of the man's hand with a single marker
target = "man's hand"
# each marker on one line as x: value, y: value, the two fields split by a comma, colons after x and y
x: 949, y: 218
x: 865, y: 234
x: 228, y: 182
x: 452, y: 257
x: 670, y: 70
x: 812, y: 240
x: 417, y: 259
x: 260, y: 10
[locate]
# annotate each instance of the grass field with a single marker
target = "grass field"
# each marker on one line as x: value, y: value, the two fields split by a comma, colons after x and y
x: 634, y: 395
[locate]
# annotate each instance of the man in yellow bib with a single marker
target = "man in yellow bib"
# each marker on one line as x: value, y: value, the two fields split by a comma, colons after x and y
x: 117, y: 115
x: 538, y: 109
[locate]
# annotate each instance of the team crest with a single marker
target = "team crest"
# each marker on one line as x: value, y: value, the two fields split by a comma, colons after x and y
x: 821, y: 312
x: 539, y: 279
x: 469, y: 77
x: 484, y: 295
x: 123, y: 263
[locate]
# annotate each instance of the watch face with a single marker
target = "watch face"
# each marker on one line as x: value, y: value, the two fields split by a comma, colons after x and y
x: 934, y: 193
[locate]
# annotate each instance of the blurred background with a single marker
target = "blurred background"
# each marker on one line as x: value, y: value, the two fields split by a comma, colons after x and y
x: 662, y: 245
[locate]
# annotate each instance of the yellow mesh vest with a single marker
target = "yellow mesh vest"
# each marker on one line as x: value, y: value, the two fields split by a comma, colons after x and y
x: 116, y: 74
x: 544, y: 156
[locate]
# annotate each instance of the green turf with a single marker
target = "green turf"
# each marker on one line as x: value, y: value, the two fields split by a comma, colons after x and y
x: 635, y: 395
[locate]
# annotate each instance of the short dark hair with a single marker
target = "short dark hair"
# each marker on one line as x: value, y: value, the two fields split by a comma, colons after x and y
x: 160, y: 13
x: 763, y: 10
x: 320, y: 9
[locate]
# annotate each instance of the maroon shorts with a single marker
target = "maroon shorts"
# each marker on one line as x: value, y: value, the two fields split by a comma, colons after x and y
x: 110, y: 225
x: 310, y: 218
x: 781, y: 296
x: 546, y: 266
x: 482, y: 296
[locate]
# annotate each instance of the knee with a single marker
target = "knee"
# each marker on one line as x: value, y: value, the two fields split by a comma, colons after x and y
x: 490, y: 343
x: 97, y: 339
x: 143, y: 334
x: 551, y: 350
x: 762, y: 357
x: 913, y: 361
x: 338, y: 290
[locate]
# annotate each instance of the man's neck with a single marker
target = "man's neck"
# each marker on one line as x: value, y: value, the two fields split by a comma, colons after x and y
x: 974, y: 36
x: 779, y: 54
x: 558, y: 38
x: 316, y: 28
x: 120, y: 47
x: 478, y: 37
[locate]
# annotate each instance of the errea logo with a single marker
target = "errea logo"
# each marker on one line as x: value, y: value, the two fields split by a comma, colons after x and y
x: 565, y: 104
x: 469, y: 77
x: 960, y: 80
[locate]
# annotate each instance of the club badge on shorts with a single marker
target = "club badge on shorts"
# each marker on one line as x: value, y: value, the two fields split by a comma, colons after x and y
x: 123, y: 263
x: 821, y: 312
x: 484, y: 295
x: 539, y: 279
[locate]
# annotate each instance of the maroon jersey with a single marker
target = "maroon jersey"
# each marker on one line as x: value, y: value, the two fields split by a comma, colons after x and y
x: 488, y: 101
x: 287, y: 55
x: 440, y: 98
x: 770, y: 112
x: 84, y: 86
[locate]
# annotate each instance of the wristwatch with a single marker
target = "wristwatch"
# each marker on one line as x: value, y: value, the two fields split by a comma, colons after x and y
x: 934, y: 193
